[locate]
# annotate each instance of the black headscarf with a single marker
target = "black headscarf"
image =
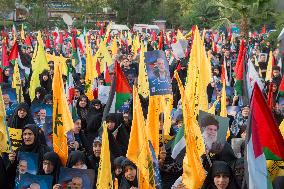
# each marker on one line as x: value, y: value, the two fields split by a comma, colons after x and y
x: 217, y: 168
x: 19, y: 123
x: 75, y: 157
x: 55, y: 160
x: 47, y: 85
x: 82, y: 112
x: 42, y: 93
x: 92, y: 110
x: 36, y: 145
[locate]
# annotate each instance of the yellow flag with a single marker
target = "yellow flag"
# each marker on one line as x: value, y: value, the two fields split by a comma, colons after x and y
x: 180, y: 36
x: 63, y: 65
x: 152, y: 123
x: 166, y: 107
x: 190, y: 113
x: 4, y: 146
x: 138, y: 148
x: 39, y: 63
x: 62, y: 119
x: 194, y: 174
x: 223, y: 112
x: 103, y: 56
x: 90, y: 71
x: 136, y: 45
x: 104, y: 172
x: 275, y: 168
x: 199, y: 75
x: 281, y: 127
x: 16, y: 83
x: 114, y: 48
x: 129, y: 38
x: 269, y: 67
x: 23, y: 33
x: 138, y: 130
x: 143, y: 84
x: 195, y: 177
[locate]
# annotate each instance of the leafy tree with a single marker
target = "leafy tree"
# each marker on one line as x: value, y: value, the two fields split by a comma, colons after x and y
x: 243, y: 12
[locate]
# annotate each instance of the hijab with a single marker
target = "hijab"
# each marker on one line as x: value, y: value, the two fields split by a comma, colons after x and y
x: 217, y: 168
x: 36, y: 145
x: 16, y: 121
x: 75, y: 157
x: 55, y: 160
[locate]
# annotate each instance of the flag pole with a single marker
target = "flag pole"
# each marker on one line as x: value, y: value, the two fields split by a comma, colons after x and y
x: 8, y: 136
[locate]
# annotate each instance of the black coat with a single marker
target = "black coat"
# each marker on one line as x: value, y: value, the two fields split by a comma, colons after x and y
x: 3, y: 175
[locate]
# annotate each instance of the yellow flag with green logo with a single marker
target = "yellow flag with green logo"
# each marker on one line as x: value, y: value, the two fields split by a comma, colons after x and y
x: 104, y: 172
x: 62, y: 119
x: 39, y: 63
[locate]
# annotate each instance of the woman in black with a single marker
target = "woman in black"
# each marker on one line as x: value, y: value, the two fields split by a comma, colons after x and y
x: 46, y: 81
x: 220, y: 176
x: 51, y: 166
x: 82, y: 107
x: 77, y: 160
x: 31, y: 143
x: 21, y: 117
x: 40, y: 93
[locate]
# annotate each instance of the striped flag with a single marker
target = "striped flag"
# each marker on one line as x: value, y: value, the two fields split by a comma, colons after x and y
x: 264, y: 142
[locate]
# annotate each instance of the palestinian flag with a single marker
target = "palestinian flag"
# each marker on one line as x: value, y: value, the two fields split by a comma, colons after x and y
x: 76, y: 53
x: 281, y: 87
x: 122, y: 89
x: 263, y: 142
x: 120, y: 92
x: 15, y: 57
x: 239, y: 69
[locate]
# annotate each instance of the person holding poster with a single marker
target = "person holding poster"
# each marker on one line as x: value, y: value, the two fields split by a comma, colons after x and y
x: 158, y: 73
x: 31, y: 143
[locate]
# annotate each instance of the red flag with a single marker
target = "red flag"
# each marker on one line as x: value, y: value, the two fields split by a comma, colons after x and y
x: 14, y: 52
x: 263, y: 30
x: 108, y: 38
x: 101, y: 31
x: 47, y: 42
x: 80, y: 45
x: 28, y: 41
x: 107, y: 75
x: 98, y: 67
x: 179, y: 67
x: 73, y: 42
x: 61, y: 38
x: 5, y: 58
x: 239, y: 60
x: 154, y: 36
x: 161, y: 41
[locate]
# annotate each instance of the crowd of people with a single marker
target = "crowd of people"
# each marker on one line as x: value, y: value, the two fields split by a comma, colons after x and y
x: 224, y: 166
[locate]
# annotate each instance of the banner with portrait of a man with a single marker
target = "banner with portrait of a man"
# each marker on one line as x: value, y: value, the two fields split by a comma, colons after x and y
x: 158, y: 72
